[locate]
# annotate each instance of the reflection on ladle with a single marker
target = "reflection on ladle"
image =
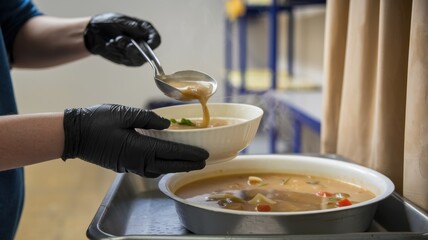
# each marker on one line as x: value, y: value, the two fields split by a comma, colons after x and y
x: 183, y: 85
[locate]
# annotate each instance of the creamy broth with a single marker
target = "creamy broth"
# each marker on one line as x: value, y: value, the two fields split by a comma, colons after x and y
x: 273, y: 192
x: 214, y: 122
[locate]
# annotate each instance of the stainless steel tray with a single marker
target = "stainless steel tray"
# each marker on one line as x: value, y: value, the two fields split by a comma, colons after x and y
x: 134, y: 208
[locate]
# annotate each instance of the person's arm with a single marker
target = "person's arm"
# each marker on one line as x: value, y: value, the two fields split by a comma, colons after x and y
x: 29, y: 139
x: 103, y: 135
x: 45, y: 41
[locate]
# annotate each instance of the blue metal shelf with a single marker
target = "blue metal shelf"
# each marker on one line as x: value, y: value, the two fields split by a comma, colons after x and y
x: 272, y: 10
x: 304, y: 108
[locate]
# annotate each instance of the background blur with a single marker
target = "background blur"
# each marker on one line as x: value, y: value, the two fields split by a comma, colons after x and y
x: 62, y: 198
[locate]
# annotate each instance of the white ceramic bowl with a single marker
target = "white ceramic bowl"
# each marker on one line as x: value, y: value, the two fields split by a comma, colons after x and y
x: 203, y: 219
x: 223, y: 143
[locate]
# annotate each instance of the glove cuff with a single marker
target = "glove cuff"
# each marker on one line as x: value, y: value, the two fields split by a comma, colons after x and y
x: 71, y: 126
x: 88, y: 38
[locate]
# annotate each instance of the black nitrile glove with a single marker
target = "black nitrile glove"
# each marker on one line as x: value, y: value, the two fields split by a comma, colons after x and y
x: 109, y: 34
x: 105, y: 135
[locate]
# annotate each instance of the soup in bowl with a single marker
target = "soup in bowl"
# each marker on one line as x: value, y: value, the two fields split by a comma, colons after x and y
x: 196, y: 123
x: 232, y: 128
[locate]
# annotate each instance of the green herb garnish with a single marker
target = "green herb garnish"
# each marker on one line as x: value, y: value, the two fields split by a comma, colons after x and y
x: 183, y: 121
x: 334, y: 199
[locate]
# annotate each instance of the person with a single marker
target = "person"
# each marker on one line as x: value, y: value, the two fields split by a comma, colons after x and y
x: 102, y: 134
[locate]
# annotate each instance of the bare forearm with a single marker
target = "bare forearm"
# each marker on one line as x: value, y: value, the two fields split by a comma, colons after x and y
x: 29, y: 139
x: 48, y: 41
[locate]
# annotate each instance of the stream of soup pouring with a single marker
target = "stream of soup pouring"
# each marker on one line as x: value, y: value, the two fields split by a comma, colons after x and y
x: 196, y: 90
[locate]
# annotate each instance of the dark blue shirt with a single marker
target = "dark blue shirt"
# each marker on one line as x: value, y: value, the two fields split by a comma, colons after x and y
x: 13, y: 14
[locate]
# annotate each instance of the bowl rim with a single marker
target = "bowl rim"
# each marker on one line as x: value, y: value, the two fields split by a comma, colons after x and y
x: 259, y: 114
x: 389, y: 187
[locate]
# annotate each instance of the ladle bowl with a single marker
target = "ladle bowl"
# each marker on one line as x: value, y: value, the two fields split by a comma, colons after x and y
x: 174, y: 84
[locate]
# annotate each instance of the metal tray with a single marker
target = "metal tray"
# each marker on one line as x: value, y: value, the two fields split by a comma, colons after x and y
x: 134, y: 208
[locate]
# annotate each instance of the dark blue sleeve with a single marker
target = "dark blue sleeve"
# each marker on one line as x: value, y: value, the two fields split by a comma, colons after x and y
x: 13, y: 14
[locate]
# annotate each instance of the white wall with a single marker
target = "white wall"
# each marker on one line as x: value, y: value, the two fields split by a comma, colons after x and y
x: 192, y: 38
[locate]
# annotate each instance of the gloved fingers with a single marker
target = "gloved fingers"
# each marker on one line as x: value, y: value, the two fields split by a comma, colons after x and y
x: 115, y: 57
x: 167, y: 150
x: 153, y: 38
x: 176, y: 157
x: 151, y: 175
x: 134, y: 55
x: 148, y: 156
x: 140, y: 118
x: 106, y: 33
x: 121, y: 50
x: 139, y: 30
x: 131, y: 56
x: 146, y: 174
x: 149, y: 120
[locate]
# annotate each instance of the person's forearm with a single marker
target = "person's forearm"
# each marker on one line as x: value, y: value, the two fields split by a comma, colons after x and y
x: 29, y: 139
x: 46, y: 41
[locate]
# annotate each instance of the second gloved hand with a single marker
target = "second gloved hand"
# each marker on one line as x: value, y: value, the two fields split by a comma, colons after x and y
x: 105, y: 135
x: 108, y: 35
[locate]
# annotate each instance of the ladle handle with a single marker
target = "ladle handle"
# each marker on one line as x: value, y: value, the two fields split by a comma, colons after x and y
x: 150, y: 56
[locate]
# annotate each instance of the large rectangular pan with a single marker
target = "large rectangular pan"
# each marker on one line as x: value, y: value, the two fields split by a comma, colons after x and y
x: 134, y: 208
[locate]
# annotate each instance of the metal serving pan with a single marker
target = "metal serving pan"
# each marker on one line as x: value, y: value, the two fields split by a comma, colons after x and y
x: 134, y: 208
x: 205, y: 219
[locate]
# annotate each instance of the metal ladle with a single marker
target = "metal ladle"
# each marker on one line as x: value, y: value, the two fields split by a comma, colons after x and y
x: 174, y: 84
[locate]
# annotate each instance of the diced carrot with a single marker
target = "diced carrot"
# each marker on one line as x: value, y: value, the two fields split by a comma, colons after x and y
x: 324, y: 194
x: 344, y: 202
x: 263, y: 208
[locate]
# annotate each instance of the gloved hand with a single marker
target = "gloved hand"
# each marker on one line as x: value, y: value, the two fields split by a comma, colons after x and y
x: 105, y: 135
x: 109, y: 34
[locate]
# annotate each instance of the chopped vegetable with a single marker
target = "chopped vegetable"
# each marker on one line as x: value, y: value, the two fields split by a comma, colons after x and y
x: 285, y: 181
x: 183, y: 121
x: 253, y: 180
x: 342, y: 195
x: 343, y: 202
x: 228, y: 201
x: 313, y: 182
x: 334, y: 199
x: 234, y: 206
x: 263, y: 208
x: 324, y: 194
x: 224, y: 196
x: 260, y: 198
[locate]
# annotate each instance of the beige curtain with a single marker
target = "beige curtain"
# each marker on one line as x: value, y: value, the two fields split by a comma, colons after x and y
x: 376, y: 89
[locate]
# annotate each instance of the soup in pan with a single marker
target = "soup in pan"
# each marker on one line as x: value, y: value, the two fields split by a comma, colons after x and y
x: 273, y: 192
x: 194, y: 123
